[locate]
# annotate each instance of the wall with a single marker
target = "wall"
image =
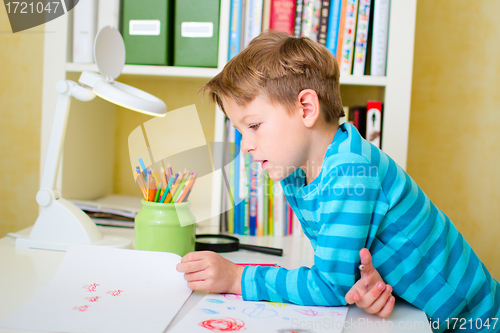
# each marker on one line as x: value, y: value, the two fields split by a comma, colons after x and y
x: 454, y: 143
x: 21, y: 64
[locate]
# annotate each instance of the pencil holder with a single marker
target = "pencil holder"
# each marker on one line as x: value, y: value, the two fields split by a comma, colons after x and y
x: 167, y: 227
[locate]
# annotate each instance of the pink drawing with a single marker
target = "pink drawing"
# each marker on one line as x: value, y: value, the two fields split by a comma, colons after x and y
x: 309, y: 312
x: 223, y: 324
x: 335, y: 313
x: 232, y: 296
x: 115, y: 292
x: 82, y: 308
x: 93, y: 298
x: 91, y: 287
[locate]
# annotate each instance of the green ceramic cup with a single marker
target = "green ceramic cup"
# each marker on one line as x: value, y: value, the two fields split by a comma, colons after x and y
x: 167, y: 227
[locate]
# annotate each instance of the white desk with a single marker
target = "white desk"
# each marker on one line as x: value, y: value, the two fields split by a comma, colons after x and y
x: 24, y: 272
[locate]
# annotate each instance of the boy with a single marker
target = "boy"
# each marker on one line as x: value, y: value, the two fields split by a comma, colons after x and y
x: 282, y: 94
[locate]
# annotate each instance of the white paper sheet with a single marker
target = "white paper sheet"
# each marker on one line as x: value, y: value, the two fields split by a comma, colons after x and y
x: 98, y: 289
x: 229, y: 313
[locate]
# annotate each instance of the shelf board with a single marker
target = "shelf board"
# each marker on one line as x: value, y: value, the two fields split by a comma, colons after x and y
x: 365, y: 80
x: 151, y: 70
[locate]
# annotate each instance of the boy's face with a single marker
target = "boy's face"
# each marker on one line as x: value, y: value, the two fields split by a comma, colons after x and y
x: 270, y: 135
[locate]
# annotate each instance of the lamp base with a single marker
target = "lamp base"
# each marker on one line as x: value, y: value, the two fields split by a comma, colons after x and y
x: 58, y: 245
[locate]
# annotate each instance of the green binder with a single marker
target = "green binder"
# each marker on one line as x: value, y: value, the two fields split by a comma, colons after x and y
x: 146, y: 31
x: 196, y: 33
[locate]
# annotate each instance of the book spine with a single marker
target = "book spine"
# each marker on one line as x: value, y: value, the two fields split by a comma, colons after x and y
x: 282, y: 16
x: 84, y: 31
x: 345, y: 118
x: 266, y: 14
x: 237, y: 173
x: 374, y: 123
x: 253, y: 20
x: 253, y: 198
x: 323, y: 21
x: 260, y: 201
x: 349, y: 35
x: 340, y: 41
x: 232, y: 162
x: 278, y: 210
x: 310, y: 19
x: 265, y: 218
x: 271, y: 206
x: 361, y: 42
x: 297, y: 30
x: 246, y: 211
x: 332, y: 33
x: 297, y: 228
x: 235, y: 28
x: 380, y: 35
x: 108, y: 14
x: 359, y: 119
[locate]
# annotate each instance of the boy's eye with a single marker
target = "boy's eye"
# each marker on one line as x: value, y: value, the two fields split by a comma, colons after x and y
x: 254, y: 126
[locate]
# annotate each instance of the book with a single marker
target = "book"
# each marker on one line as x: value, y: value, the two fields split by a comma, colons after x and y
x: 234, y: 150
x: 374, y: 123
x: 246, y: 206
x: 260, y: 200
x: 253, y: 20
x: 117, y: 204
x: 323, y: 21
x: 270, y: 185
x: 84, y: 31
x: 196, y: 33
x: 109, y: 14
x: 235, y: 28
x: 332, y: 33
x: 253, y: 197
x: 266, y: 14
x: 237, y: 172
x: 146, y: 32
x: 278, y: 205
x: 357, y: 115
x: 380, y: 35
x: 310, y: 19
x: 362, y: 33
x: 345, y: 118
x: 282, y: 15
x: 340, y: 40
x: 297, y: 30
x: 265, y: 203
x: 349, y: 36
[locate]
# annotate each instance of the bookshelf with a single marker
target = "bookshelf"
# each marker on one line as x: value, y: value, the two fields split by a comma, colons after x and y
x: 92, y: 126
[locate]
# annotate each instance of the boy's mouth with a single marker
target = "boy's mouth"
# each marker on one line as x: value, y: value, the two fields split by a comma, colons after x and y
x: 264, y: 162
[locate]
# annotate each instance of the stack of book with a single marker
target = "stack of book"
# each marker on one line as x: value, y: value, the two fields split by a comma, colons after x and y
x: 255, y: 205
x: 355, y: 31
x: 252, y: 203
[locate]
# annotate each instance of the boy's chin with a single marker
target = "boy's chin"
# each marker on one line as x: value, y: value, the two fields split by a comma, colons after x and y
x: 277, y: 177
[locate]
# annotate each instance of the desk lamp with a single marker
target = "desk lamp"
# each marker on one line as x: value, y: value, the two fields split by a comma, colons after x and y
x: 60, y: 222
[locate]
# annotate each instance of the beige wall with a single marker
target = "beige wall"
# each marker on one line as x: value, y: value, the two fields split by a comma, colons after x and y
x: 21, y: 63
x: 454, y: 143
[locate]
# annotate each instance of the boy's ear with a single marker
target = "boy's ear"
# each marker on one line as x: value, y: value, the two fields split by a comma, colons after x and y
x: 309, y: 106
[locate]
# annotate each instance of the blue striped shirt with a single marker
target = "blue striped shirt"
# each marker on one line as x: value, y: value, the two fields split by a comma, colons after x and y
x: 362, y: 198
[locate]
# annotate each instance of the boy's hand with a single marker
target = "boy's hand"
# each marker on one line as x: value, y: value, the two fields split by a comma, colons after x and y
x: 207, y: 270
x: 370, y: 292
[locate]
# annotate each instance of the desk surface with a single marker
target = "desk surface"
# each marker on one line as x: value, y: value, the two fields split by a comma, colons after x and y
x: 24, y: 272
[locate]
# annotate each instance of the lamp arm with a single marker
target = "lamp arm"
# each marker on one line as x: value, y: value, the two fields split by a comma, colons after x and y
x: 66, y: 90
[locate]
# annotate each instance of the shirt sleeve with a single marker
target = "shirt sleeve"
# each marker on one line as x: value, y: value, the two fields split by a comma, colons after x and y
x: 345, y: 209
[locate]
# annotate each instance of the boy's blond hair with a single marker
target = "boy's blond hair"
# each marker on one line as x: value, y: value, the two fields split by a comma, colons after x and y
x: 279, y: 67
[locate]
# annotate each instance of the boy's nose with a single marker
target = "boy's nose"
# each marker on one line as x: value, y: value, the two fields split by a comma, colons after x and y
x: 246, y: 146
